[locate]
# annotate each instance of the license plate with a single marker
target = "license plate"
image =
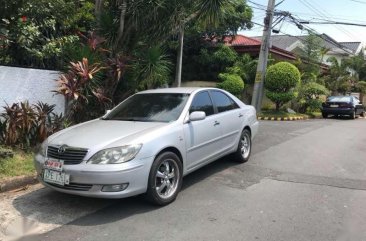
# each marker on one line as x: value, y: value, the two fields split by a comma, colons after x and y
x: 56, y: 177
x: 333, y: 106
x: 54, y: 164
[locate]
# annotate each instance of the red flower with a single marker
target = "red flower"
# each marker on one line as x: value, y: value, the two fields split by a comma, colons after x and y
x: 24, y: 19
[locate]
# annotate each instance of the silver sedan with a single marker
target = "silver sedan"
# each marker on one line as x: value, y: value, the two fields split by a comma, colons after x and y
x: 147, y: 144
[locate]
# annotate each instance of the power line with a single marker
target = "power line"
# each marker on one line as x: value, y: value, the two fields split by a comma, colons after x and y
x: 339, y: 27
x: 358, y: 1
x: 317, y: 34
x: 297, y: 37
x: 333, y: 22
x: 297, y: 22
x: 330, y: 16
x: 321, y: 14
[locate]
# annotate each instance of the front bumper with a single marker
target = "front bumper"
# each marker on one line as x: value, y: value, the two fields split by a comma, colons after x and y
x: 89, y: 179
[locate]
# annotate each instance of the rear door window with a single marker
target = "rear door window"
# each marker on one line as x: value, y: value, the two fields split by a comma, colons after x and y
x: 223, y: 102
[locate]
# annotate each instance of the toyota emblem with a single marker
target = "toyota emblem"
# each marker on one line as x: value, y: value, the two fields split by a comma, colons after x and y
x: 61, y: 149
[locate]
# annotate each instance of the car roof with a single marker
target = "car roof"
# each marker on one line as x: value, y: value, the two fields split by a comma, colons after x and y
x: 340, y: 96
x: 179, y: 90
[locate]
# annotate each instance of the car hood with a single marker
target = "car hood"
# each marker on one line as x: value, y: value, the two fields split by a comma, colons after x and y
x: 102, y: 133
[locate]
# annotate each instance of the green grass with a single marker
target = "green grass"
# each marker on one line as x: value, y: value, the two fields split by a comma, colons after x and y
x: 273, y: 113
x: 20, y: 164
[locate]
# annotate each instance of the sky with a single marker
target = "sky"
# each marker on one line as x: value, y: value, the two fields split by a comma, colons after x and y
x: 352, y: 11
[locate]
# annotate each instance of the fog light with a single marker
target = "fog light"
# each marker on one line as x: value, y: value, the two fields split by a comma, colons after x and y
x: 114, y: 187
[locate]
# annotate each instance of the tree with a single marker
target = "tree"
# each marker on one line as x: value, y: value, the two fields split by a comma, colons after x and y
x: 34, y: 33
x: 361, y: 87
x: 247, y: 68
x: 339, y: 80
x: 124, y: 22
x: 309, y: 96
x: 151, y: 68
x: 281, y: 79
x: 358, y: 64
x: 312, y: 54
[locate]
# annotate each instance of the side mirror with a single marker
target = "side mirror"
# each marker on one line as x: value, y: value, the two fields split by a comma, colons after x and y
x: 197, y: 116
x: 107, y: 111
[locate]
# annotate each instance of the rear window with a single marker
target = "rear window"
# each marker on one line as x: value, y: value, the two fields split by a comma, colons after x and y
x: 340, y: 98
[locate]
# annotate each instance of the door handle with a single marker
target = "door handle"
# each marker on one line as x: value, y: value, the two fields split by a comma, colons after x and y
x: 240, y: 115
x: 216, y: 123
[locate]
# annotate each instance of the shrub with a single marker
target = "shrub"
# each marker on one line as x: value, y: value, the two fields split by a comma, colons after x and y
x: 361, y: 86
x: 5, y: 152
x: 82, y: 89
x: 26, y: 125
x: 281, y: 79
x: 314, y: 90
x: 225, y: 55
x: 232, y: 83
x: 309, y: 96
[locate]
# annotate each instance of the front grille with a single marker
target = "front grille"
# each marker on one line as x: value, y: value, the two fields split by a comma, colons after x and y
x: 70, y: 156
x: 73, y: 186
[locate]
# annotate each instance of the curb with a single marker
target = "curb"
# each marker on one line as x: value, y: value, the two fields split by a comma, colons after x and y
x: 282, y: 118
x: 17, y: 182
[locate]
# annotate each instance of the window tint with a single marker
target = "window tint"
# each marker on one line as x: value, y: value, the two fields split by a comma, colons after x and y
x: 223, y: 102
x: 202, y: 102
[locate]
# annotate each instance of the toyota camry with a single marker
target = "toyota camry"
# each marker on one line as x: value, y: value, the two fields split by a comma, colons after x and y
x: 147, y: 143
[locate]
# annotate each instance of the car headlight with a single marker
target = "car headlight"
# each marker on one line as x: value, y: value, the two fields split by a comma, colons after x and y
x: 115, y: 155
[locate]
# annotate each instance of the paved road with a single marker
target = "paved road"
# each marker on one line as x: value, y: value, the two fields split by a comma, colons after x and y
x: 306, y: 180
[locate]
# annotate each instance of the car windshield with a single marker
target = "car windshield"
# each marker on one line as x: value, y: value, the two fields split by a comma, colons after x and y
x: 340, y: 98
x: 155, y: 107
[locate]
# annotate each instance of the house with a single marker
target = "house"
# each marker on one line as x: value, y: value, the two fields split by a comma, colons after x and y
x: 251, y: 46
x: 279, y: 50
x: 331, y: 47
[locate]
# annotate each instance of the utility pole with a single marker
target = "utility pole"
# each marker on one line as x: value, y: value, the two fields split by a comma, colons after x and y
x: 178, y: 73
x: 263, y: 58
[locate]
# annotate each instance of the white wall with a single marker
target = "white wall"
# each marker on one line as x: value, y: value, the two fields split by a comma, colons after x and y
x: 21, y: 84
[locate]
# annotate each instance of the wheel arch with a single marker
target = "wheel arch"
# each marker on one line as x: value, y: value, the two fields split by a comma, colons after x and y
x: 174, y: 150
x: 248, y: 128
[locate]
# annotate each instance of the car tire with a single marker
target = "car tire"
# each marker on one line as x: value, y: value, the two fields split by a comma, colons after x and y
x: 165, y: 179
x: 362, y: 114
x: 325, y: 115
x: 353, y: 115
x: 242, y: 154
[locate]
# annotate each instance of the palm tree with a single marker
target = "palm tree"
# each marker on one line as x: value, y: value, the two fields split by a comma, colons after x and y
x: 340, y: 79
x: 151, y: 68
x: 153, y: 22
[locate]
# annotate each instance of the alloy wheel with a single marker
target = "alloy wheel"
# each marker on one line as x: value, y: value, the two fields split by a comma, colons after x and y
x: 166, y: 179
x: 245, y: 145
